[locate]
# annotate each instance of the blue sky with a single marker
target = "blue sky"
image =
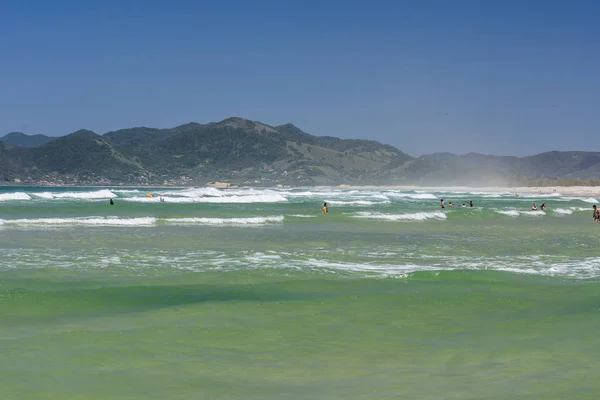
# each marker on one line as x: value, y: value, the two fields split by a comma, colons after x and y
x: 498, y: 77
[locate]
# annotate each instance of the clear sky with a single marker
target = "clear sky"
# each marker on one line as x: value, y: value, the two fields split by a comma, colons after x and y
x: 498, y: 77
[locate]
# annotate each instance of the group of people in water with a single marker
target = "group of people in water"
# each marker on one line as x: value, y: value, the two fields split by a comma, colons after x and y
x: 450, y: 204
x: 470, y: 204
x: 325, y: 209
x: 543, y: 207
x: 535, y: 207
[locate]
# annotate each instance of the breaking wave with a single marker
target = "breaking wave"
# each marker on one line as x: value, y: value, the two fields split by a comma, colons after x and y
x: 419, y: 216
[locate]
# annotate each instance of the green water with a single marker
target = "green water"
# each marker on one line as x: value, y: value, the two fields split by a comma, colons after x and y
x: 223, y: 299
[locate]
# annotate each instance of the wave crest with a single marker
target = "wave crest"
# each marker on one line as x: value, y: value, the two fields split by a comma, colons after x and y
x: 419, y: 216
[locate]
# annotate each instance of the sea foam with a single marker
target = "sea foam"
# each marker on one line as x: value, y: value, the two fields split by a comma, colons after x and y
x: 419, y: 216
x: 227, y: 221
x: 511, y: 213
x: 14, y: 196
x: 354, y: 203
x: 563, y: 211
x: 414, y: 196
x: 259, y: 198
x: 90, y: 221
x: 97, y: 194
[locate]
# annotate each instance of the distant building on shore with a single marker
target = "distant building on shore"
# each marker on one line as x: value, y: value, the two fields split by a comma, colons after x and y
x: 219, y: 185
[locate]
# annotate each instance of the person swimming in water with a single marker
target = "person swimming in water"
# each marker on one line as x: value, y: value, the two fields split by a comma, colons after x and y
x: 111, y: 202
x: 450, y: 204
x: 325, y: 209
x: 543, y: 207
x: 442, y: 203
x: 534, y: 207
x: 596, y: 216
x: 470, y: 203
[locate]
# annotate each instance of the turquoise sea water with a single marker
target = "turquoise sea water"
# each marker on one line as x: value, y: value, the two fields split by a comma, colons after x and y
x: 254, y: 294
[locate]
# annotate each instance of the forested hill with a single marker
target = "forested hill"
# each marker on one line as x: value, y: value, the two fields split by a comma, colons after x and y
x: 23, y: 140
x: 248, y: 152
x: 235, y: 149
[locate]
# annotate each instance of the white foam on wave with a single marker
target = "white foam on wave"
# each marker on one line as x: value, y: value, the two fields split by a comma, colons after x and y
x: 266, y: 198
x: 379, y: 197
x: 14, y: 196
x: 420, y: 216
x: 320, y: 194
x: 277, y: 260
x: 511, y: 213
x: 355, y: 202
x: 44, y: 195
x: 91, y: 221
x: 127, y: 191
x: 301, y: 216
x: 156, y: 199
x: 581, y: 208
x: 563, y: 211
x: 353, y: 197
x: 98, y: 194
x: 379, y: 269
x: 228, y: 221
x: 578, y: 269
x: 537, y: 213
x: 300, y: 194
x: 194, y: 192
x: 397, y: 264
x: 540, y: 195
x: 584, y: 268
x: 258, y: 198
x: 142, y: 221
x: 478, y: 194
x: 423, y: 196
x: 516, y: 213
x: 414, y: 196
x: 590, y: 200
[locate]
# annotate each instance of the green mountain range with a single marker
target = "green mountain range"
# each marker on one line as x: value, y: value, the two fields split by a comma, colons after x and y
x: 241, y: 151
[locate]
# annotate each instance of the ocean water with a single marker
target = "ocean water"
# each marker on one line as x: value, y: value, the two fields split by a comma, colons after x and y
x: 254, y: 294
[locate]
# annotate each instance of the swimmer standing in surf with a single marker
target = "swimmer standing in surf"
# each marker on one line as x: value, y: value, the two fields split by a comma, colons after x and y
x: 325, y: 209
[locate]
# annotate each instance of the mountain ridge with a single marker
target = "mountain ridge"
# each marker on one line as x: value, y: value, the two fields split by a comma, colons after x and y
x: 24, y: 140
x: 249, y: 152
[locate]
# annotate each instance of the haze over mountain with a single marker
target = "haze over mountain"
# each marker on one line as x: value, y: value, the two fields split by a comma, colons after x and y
x: 248, y: 152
